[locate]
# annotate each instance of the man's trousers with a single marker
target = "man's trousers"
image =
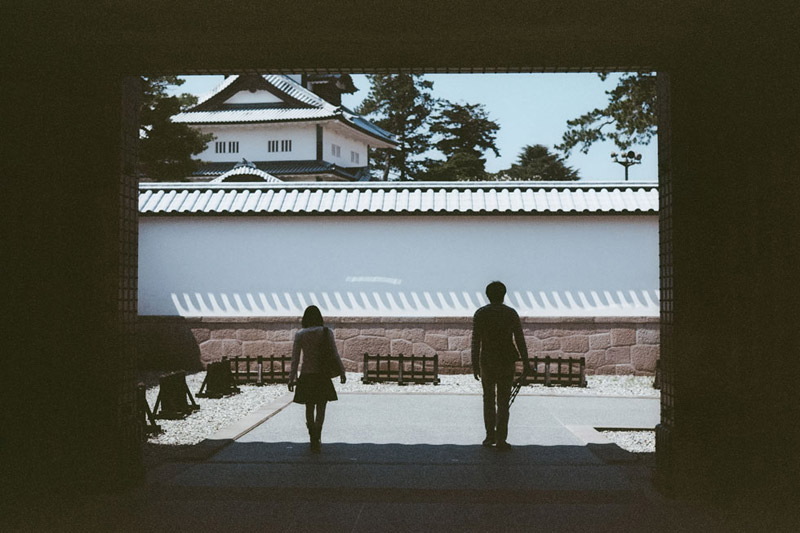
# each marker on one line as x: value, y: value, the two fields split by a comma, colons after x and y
x: 497, y: 381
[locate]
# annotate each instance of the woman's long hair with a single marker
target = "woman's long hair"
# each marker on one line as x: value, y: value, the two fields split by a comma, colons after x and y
x: 312, y: 317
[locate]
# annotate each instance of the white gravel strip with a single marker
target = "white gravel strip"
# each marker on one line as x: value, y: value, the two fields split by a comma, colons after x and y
x: 633, y: 441
x: 214, y: 414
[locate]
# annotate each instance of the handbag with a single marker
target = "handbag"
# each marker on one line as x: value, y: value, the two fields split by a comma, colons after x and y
x: 330, y: 366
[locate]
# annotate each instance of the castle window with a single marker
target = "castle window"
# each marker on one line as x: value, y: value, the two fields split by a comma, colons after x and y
x: 354, y: 157
x: 219, y: 147
x: 286, y: 146
x: 233, y: 147
x: 272, y: 146
x: 336, y: 150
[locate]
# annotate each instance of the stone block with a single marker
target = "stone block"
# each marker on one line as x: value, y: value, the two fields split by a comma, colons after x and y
x: 401, y: 346
x: 595, y: 359
x: 437, y: 342
x: 251, y: 334
x: 279, y: 335
x: 420, y: 348
x: 624, y: 370
x: 606, y: 370
x: 356, y: 347
x: 223, y: 334
x: 450, y: 358
x: 644, y: 357
x: 576, y: 344
x: 459, y: 343
x: 201, y: 335
x: 352, y: 366
x: 216, y: 349
x: 551, y: 343
x: 409, y: 334
x: 648, y: 336
x: 600, y: 341
x: 257, y: 348
x: 373, y: 332
x: 618, y: 355
x: 345, y: 333
x: 534, y: 345
x: 282, y: 347
x: 547, y: 333
x: 623, y: 337
x: 459, y: 332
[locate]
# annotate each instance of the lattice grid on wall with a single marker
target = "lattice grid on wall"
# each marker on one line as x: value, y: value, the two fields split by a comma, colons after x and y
x: 128, y: 238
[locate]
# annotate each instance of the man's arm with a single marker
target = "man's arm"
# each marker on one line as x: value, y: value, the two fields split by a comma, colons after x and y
x: 476, y: 348
x: 522, y: 347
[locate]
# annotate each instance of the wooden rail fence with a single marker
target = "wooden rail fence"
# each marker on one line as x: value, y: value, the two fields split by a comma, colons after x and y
x: 555, y: 371
x: 417, y: 369
x: 261, y: 370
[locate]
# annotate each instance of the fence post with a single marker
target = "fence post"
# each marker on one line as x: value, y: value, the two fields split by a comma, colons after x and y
x: 400, y: 370
x: 547, y: 371
x: 260, y: 368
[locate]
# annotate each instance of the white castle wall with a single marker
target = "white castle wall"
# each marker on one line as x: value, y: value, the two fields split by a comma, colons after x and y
x: 397, y: 266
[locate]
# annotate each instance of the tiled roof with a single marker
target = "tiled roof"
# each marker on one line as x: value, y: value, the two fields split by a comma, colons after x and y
x: 281, y: 168
x: 398, y: 198
x: 300, y: 104
x: 243, y: 171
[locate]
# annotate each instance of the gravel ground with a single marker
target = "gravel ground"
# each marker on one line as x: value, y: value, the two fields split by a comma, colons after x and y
x: 215, y: 414
x: 643, y: 441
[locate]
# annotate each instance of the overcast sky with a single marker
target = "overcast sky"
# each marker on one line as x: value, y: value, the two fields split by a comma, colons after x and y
x: 530, y: 108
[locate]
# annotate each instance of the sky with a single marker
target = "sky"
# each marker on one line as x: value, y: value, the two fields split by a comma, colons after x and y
x: 530, y: 109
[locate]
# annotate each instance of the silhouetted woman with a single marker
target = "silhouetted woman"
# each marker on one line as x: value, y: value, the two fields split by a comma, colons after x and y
x: 320, y: 363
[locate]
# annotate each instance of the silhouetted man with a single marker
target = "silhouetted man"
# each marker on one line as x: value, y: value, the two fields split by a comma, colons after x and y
x: 495, y: 327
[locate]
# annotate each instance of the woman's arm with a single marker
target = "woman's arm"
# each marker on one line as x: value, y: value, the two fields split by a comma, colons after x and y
x: 295, y: 360
x: 335, y: 352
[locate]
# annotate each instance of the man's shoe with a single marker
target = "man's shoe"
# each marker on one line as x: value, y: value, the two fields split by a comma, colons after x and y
x: 488, y: 442
x: 503, y: 446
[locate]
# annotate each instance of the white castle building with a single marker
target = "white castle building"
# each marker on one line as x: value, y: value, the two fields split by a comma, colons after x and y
x: 270, y: 128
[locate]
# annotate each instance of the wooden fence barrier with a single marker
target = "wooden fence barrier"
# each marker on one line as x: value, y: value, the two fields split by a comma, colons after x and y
x: 173, y: 393
x: 218, y: 382
x: 261, y: 370
x: 417, y: 369
x: 558, y: 371
x: 146, y: 418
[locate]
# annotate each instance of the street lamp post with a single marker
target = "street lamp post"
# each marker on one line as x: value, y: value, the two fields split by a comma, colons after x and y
x: 626, y: 160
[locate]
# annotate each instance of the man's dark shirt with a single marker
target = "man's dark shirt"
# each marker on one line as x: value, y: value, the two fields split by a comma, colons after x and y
x: 495, y: 327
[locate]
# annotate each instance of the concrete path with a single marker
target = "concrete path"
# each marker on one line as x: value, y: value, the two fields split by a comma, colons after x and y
x: 413, y: 462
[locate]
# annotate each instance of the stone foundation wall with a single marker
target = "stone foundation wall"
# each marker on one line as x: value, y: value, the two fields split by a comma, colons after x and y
x: 622, y: 346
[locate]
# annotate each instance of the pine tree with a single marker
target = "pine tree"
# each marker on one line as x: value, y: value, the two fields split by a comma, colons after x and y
x: 166, y: 148
x: 400, y: 104
x: 629, y: 118
x: 536, y: 163
x: 464, y: 133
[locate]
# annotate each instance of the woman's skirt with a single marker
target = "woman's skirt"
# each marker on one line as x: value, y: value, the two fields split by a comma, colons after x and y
x: 314, y: 388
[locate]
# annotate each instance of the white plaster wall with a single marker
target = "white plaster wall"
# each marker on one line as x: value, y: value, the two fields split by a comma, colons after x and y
x: 253, y: 142
x: 348, y: 144
x: 398, y: 265
x: 255, y: 97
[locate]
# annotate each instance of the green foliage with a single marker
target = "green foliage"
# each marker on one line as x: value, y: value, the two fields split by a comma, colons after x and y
x: 464, y: 128
x: 401, y: 104
x: 460, y: 166
x: 536, y: 163
x: 166, y: 148
x: 628, y: 119
x: 464, y: 133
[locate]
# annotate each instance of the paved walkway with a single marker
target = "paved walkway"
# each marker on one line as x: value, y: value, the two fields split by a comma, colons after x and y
x: 413, y: 462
